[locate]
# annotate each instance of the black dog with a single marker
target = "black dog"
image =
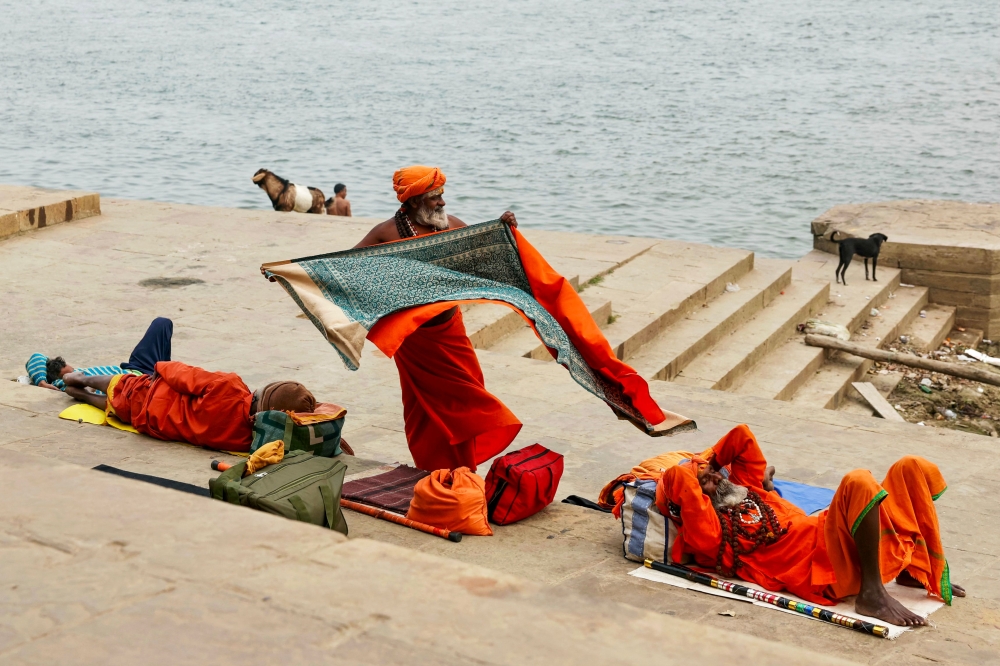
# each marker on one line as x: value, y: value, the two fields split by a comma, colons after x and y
x: 866, y: 247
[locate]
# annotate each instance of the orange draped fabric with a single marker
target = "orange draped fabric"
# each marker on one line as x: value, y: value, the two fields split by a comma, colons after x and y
x: 910, y: 536
x: 187, y: 404
x: 451, y: 419
x: 817, y: 558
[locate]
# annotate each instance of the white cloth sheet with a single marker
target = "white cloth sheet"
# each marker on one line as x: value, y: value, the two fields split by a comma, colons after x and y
x: 914, y: 599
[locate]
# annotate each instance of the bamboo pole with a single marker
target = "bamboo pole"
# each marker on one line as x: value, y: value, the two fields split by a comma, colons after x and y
x: 953, y: 369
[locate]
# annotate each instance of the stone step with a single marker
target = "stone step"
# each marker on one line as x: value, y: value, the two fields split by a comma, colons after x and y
x: 927, y: 333
x: 662, y: 286
x: 727, y: 361
x: 25, y: 208
x: 680, y: 344
x: 832, y: 382
x: 791, y: 364
x: 524, y: 343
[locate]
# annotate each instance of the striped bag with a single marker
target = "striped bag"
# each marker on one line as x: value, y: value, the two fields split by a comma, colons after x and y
x: 321, y: 439
x: 647, y: 533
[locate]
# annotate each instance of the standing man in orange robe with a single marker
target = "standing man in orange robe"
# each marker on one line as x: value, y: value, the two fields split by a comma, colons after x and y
x: 871, y: 534
x: 451, y: 419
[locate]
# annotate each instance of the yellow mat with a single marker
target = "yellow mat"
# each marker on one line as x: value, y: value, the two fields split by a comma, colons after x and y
x: 84, y: 413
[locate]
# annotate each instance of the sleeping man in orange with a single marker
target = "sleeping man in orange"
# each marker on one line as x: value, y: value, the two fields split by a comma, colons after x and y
x: 872, y: 533
x: 451, y: 420
x: 180, y: 402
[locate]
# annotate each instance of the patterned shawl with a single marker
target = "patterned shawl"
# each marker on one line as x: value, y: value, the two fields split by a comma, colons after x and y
x: 345, y: 294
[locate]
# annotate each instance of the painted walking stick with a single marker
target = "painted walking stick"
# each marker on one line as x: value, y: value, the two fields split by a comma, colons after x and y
x: 382, y: 514
x: 817, y: 612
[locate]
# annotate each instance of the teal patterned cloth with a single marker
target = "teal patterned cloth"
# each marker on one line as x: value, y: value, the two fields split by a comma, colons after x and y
x: 475, y: 262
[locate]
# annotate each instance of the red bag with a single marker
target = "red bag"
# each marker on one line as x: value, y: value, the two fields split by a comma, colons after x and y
x: 522, y: 483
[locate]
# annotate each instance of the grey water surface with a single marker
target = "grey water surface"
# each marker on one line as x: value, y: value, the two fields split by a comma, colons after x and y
x: 731, y: 122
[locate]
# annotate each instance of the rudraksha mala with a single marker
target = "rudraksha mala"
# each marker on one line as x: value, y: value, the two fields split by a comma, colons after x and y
x: 734, y: 525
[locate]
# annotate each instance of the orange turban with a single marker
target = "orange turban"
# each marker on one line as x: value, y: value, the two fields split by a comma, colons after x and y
x: 412, y: 181
x: 695, y: 464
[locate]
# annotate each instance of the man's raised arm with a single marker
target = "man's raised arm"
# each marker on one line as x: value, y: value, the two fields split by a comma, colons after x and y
x: 701, y: 528
x: 739, y: 450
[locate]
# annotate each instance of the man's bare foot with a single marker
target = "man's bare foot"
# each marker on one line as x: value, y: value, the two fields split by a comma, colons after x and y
x: 768, y: 482
x: 879, y: 604
x: 907, y: 580
x: 74, y: 379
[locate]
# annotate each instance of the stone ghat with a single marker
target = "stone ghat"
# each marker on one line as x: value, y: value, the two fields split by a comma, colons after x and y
x: 86, y: 290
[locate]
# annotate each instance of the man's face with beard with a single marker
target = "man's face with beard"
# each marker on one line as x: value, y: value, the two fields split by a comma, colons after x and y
x: 429, y: 210
x: 720, y: 490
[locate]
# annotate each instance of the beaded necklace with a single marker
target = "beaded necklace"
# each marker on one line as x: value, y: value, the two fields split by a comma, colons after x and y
x: 736, y: 522
x: 403, y: 225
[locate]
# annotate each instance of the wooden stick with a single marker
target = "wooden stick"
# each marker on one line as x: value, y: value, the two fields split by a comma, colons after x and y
x: 953, y: 369
x: 817, y: 612
x: 382, y: 514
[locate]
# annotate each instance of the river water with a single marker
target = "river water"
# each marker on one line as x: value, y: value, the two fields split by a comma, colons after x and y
x: 729, y: 122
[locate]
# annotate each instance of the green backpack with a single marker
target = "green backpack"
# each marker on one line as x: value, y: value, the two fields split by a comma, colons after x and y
x: 301, y: 487
x: 322, y: 439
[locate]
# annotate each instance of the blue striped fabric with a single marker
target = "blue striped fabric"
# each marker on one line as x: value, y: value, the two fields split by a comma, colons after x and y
x: 645, y: 497
x: 36, y: 367
x: 36, y: 370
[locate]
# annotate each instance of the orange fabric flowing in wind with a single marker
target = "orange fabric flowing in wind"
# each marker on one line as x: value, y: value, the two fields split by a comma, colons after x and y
x: 817, y: 558
x: 412, y: 181
x: 451, y: 419
x: 186, y: 404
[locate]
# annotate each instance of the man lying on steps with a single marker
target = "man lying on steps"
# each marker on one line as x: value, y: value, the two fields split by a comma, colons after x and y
x: 153, y: 347
x: 180, y: 402
x: 870, y: 535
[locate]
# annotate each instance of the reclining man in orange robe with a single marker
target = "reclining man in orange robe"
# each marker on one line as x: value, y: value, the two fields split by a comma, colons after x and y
x: 871, y: 534
x: 451, y: 419
x: 179, y: 402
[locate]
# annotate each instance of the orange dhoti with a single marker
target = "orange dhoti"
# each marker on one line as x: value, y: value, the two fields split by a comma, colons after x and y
x: 910, y: 537
x: 451, y: 419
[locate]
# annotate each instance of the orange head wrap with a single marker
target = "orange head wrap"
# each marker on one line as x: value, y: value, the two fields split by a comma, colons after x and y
x: 412, y: 181
x: 694, y: 464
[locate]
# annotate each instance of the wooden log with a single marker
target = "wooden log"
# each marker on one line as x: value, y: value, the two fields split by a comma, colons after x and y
x: 952, y: 369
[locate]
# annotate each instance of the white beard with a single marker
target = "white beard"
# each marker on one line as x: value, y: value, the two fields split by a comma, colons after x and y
x: 436, y: 218
x: 727, y: 495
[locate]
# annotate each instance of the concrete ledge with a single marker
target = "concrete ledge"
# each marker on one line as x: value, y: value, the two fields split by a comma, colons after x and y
x: 950, y: 246
x: 25, y: 208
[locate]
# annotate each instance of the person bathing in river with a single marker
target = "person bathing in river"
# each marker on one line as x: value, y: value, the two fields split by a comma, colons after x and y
x: 451, y: 420
x: 871, y: 534
x: 338, y: 203
x: 180, y: 402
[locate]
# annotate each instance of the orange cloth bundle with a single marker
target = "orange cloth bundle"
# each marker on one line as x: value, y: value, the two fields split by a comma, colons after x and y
x: 452, y: 500
x: 324, y: 411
